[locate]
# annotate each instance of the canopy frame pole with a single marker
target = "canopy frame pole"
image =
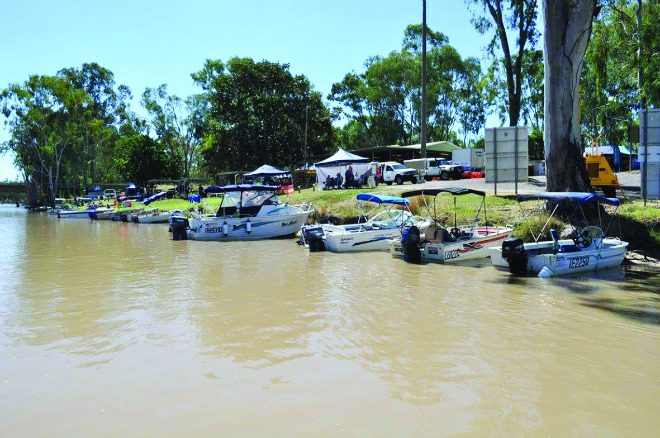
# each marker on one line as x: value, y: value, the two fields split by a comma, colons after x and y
x: 536, y: 238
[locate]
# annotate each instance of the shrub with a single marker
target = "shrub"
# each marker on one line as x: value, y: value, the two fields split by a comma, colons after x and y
x: 532, y: 226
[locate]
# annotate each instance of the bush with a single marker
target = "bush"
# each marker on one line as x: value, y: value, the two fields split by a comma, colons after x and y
x: 532, y: 226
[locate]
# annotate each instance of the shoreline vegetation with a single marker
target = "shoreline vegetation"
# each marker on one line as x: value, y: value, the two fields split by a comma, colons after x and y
x: 638, y: 225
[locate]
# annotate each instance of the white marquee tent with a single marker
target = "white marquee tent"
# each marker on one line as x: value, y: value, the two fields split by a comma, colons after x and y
x: 335, y: 166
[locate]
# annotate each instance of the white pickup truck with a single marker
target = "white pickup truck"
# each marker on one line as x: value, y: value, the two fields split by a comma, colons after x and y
x: 432, y: 167
x: 391, y: 171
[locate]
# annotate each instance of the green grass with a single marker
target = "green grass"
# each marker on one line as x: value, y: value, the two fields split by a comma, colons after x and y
x: 635, y: 210
x: 342, y: 205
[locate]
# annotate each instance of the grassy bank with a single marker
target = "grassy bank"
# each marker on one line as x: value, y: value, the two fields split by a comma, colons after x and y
x: 636, y: 224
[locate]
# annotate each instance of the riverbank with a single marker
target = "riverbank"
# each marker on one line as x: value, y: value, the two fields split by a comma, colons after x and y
x: 635, y: 223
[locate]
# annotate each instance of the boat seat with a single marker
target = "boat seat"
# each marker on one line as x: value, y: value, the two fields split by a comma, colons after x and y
x: 431, y: 233
x: 569, y: 248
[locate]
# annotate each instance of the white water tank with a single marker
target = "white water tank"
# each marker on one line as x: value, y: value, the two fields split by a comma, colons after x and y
x: 649, y: 150
x: 506, y: 155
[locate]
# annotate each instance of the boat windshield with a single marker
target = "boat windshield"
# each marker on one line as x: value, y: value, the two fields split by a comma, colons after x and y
x: 392, y: 218
x: 231, y: 199
x: 251, y: 198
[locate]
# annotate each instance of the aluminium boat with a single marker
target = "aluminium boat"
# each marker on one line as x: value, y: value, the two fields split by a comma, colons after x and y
x: 431, y: 241
x: 150, y: 217
x: 587, y: 249
x: 372, y: 235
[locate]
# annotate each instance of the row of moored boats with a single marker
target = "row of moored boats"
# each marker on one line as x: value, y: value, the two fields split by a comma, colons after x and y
x: 253, y: 212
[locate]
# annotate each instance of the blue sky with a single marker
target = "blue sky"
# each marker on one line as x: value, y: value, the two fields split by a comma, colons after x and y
x: 147, y: 42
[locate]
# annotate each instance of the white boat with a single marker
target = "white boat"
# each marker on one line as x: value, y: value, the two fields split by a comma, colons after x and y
x: 76, y: 214
x: 104, y: 215
x: 430, y: 241
x: 161, y: 217
x: 587, y: 250
x: 372, y: 235
x: 151, y: 217
x: 59, y: 206
x: 247, y: 212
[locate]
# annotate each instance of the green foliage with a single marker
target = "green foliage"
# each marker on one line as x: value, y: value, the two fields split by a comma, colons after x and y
x: 258, y: 113
x: 535, y: 142
x: 531, y: 227
x: 140, y: 158
x: 64, y: 127
x: 382, y: 105
x: 507, y: 21
x: 179, y: 125
x: 610, y: 93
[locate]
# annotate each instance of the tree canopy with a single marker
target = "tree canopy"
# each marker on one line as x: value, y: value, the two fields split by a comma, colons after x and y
x: 257, y: 114
x: 382, y: 105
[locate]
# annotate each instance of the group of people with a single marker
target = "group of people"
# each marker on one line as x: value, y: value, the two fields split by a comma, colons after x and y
x: 348, y: 181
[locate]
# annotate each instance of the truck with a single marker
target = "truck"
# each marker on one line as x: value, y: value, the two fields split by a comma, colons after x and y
x: 435, y: 167
x: 470, y: 159
x: 391, y: 171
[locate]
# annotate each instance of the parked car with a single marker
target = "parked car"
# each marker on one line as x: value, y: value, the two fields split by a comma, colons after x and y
x: 391, y: 171
x: 109, y: 194
x: 435, y: 167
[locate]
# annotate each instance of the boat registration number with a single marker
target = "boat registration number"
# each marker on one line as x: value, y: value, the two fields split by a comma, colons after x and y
x: 578, y: 262
x: 453, y: 254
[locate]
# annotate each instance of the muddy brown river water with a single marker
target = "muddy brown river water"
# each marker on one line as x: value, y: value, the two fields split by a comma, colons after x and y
x: 113, y: 329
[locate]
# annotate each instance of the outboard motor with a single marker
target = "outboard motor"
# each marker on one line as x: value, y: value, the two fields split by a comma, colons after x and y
x: 313, y: 237
x: 410, y: 240
x: 513, y: 251
x: 179, y: 228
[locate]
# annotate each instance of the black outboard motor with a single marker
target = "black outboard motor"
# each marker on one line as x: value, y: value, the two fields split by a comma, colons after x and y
x: 410, y: 240
x: 313, y: 237
x: 179, y: 228
x: 513, y: 251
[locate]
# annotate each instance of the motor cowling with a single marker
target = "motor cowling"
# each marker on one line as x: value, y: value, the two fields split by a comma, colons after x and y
x: 410, y: 240
x: 313, y: 237
x: 513, y: 251
x: 179, y: 228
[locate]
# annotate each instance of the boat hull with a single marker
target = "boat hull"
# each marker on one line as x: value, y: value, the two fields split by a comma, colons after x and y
x: 477, y: 247
x: 161, y: 218
x: 260, y: 227
x: 75, y: 214
x: 341, y: 239
x: 610, y: 254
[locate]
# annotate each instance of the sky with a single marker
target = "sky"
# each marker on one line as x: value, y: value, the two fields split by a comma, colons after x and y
x: 146, y: 43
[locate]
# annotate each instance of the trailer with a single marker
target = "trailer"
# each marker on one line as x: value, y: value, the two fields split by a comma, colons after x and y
x: 470, y: 159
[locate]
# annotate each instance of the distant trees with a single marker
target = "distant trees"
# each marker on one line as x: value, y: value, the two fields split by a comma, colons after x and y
x: 610, y: 93
x: 513, y: 27
x: 257, y: 114
x: 382, y: 105
x: 64, y: 127
x: 139, y: 158
x: 180, y: 125
x: 76, y: 126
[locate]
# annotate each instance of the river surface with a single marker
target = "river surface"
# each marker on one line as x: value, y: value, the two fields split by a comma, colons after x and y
x: 113, y: 329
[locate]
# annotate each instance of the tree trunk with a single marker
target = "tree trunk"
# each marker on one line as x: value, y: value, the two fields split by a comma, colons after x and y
x: 566, y: 35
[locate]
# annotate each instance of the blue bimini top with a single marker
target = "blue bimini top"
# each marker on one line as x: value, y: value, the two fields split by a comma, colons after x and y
x: 579, y: 197
x: 382, y: 199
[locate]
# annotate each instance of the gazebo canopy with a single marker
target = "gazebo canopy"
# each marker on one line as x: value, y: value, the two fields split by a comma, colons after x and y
x: 341, y: 157
x: 267, y: 170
